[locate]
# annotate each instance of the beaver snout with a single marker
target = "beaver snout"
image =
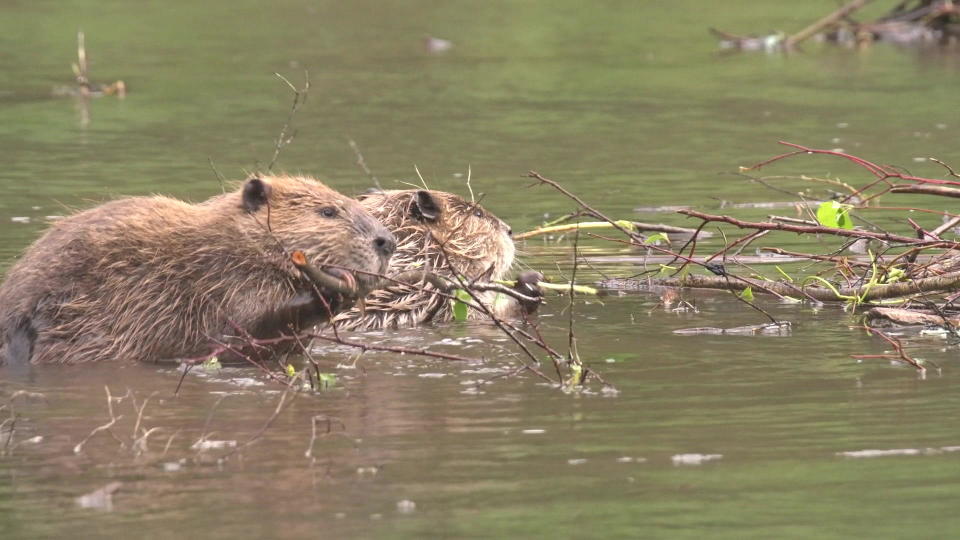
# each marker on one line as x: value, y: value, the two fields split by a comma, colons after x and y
x: 385, y: 244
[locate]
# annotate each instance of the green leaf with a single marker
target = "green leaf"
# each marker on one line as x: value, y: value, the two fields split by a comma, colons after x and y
x: 747, y: 294
x: 575, y: 378
x: 654, y: 238
x: 460, y: 308
x: 291, y: 371
x: 834, y: 214
x: 894, y: 275
x: 326, y: 380
x: 213, y: 364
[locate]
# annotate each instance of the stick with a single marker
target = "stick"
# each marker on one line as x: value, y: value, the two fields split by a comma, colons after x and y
x: 575, y: 227
x: 299, y: 98
x: 321, y: 279
x: 79, y: 447
x: 362, y: 163
x: 829, y: 20
x: 927, y: 190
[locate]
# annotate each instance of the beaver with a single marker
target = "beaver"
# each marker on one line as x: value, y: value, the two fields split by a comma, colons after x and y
x: 151, y: 278
x: 478, y: 244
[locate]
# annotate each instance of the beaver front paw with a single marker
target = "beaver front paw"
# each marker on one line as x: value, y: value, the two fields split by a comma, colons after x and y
x: 528, y: 284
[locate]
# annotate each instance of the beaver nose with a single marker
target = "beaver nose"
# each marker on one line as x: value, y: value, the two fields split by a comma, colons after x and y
x: 385, y: 245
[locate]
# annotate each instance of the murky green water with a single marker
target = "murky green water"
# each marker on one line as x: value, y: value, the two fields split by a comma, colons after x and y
x: 627, y: 104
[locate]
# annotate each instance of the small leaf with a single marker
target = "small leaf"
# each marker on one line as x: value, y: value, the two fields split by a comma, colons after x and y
x: 747, y: 294
x: 291, y: 371
x: 834, y: 214
x: 654, y: 238
x: 894, y: 275
x: 460, y: 308
x: 626, y: 224
x: 213, y: 364
x: 326, y: 380
x: 664, y: 269
x: 575, y: 378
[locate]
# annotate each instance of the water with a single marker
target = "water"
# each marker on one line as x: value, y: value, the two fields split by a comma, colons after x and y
x: 627, y: 104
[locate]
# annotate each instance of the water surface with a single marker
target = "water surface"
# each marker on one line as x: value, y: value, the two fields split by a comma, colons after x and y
x: 626, y: 103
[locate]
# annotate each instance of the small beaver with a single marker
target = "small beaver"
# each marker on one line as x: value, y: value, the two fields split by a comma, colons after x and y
x: 478, y: 244
x: 151, y: 278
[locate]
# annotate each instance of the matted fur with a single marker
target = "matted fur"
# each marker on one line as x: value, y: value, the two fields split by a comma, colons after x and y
x: 475, y: 240
x: 151, y: 278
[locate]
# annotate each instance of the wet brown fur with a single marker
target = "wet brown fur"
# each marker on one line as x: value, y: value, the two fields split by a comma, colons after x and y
x: 150, y: 278
x: 477, y: 242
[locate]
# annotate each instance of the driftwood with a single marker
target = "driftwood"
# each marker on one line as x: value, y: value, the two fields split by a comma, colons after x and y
x: 881, y: 316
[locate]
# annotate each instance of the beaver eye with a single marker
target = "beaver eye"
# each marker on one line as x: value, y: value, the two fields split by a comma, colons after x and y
x: 328, y: 211
x: 478, y: 213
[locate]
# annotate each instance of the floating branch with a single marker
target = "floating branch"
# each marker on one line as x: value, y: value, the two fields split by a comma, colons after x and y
x: 805, y: 229
x: 865, y: 293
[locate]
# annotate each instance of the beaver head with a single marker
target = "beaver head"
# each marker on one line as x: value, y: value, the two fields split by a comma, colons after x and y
x: 431, y: 228
x: 334, y: 232
x: 478, y: 243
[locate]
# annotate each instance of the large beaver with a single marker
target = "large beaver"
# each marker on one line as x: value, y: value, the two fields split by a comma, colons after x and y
x: 150, y: 278
x: 478, y: 244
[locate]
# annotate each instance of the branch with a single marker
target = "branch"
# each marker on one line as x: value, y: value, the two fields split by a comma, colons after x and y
x: 927, y: 190
x: 802, y: 229
x: 825, y: 22
x: 943, y: 283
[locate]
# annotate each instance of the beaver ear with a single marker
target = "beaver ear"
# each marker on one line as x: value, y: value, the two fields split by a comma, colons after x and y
x: 256, y: 193
x: 425, y: 206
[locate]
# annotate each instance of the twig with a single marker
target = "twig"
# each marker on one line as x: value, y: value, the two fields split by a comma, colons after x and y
x: 496, y: 320
x: 945, y: 166
x: 299, y: 98
x: 276, y: 412
x: 313, y: 430
x: 898, y: 347
x: 363, y: 164
x: 79, y: 447
x: 578, y: 200
x: 206, y: 423
x: 139, y: 411
x: 220, y: 179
